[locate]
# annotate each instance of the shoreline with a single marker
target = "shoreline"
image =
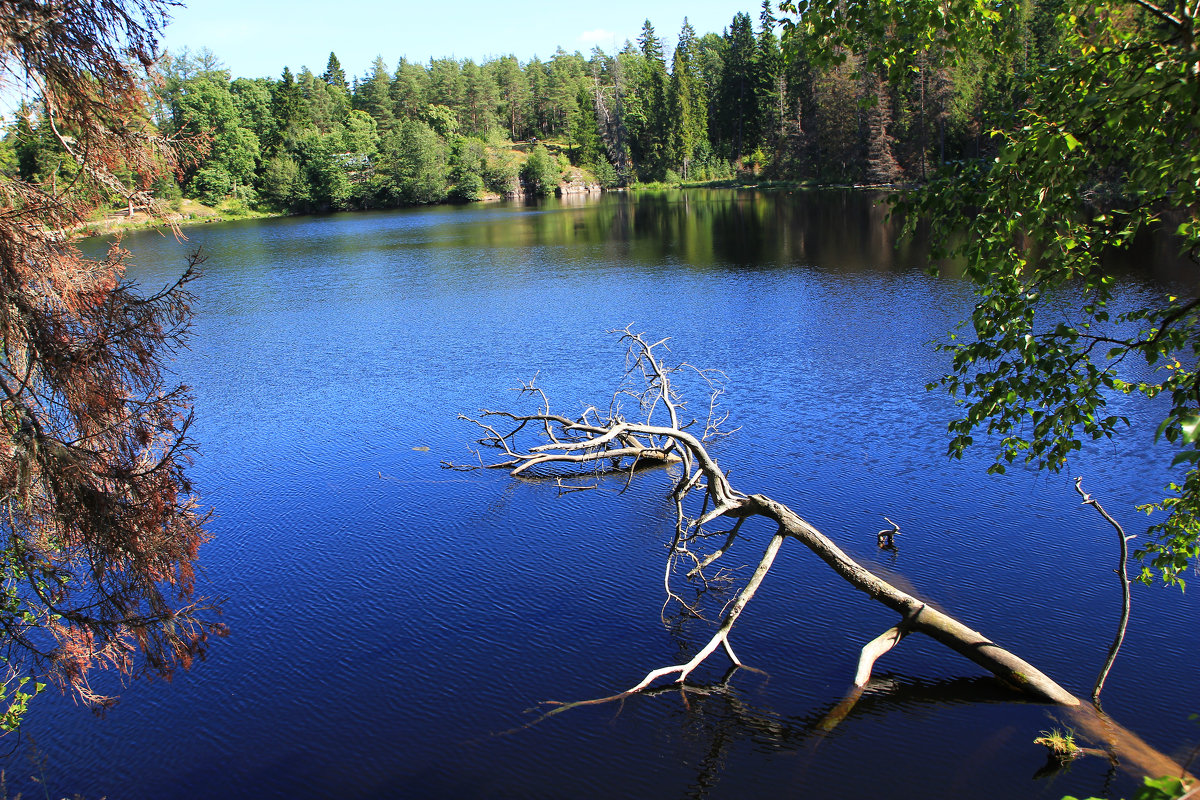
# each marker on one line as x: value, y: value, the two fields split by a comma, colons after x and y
x: 193, y: 213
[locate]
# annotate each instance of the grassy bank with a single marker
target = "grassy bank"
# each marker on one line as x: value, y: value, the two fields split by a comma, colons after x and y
x: 188, y: 212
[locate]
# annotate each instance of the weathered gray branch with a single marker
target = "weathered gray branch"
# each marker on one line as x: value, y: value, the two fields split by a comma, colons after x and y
x: 875, y: 648
x: 618, y: 443
x: 924, y: 618
x: 721, y: 637
x: 1122, y: 574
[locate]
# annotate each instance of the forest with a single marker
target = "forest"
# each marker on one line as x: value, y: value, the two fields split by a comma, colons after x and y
x: 1039, y: 137
x: 714, y: 107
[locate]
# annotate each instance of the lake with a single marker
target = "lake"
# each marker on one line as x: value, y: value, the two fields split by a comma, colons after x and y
x: 392, y: 621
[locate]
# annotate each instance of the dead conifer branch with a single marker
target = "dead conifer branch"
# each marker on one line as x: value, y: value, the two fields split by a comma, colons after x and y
x: 96, y: 506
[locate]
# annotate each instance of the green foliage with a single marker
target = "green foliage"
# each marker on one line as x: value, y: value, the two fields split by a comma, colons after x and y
x: 334, y: 75
x: 1093, y: 156
x: 769, y: 83
x: 468, y: 187
x: 322, y: 172
x: 606, y: 174
x: 252, y: 103
x: 14, y: 699
x: 512, y: 87
x: 27, y: 147
x: 255, y: 138
x: 281, y: 184
x: 1060, y: 743
x: 287, y: 104
x: 360, y: 134
x: 469, y: 160
x: 685, y: 119
x: 35, y: 151
x: 374, y: 96
x: 1167, y: 788
x: 738, y: 120
x: 719, y: 97
x: 442, y: 120
x: 210, y: 185
x: 587, y: 149
x: 650, y: 127
x: 501, y: 171
x: 414, y: 164
x: 541, y: 174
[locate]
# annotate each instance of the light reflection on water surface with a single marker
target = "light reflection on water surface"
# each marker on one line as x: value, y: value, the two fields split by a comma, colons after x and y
x: 384, y: 628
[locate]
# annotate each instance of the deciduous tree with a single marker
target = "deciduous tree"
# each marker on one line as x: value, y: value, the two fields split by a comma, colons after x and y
x: 1101, y: 148
x: 540, y: 173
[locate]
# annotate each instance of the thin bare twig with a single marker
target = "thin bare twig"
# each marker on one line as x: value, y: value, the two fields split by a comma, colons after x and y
x: 1123, y: 575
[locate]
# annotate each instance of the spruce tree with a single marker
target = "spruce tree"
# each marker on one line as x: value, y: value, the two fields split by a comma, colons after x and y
x: 737, y: 113
x: 882, y: 166
x: 769, y: 85
x: 287, y: 106
x: 334, y: 75
x: 652, y: 138
x: 585, y: 131
x: 686, y: 118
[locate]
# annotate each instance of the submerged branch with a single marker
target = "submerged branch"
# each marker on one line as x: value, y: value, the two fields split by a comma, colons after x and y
x: 617, y: 444
x: 1123, y: 575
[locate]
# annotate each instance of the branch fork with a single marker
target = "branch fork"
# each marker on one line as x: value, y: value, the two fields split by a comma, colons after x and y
x: 549, y: 444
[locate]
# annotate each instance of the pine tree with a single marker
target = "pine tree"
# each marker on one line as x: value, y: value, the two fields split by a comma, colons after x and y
x: 373, y: 96
x: 445, y: 83
x: 409, y: 91
x: 565, y: 79
x: 479, y: 100
x: 513, y: 88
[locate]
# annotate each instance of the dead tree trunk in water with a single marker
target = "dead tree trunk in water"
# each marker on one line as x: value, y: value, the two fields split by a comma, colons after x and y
x: 606, y: 442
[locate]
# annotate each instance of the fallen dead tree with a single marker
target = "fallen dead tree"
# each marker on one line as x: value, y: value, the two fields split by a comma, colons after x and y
x: 576, y: 452
x: 596, y: 442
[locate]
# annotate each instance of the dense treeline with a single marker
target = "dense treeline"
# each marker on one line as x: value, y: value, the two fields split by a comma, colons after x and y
x: 715, y: 105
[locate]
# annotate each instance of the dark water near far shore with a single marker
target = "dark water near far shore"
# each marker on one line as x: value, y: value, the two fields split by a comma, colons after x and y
x: 389, y: 618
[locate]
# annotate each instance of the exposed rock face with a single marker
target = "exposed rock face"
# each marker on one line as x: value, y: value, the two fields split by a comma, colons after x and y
x: 575, y: 184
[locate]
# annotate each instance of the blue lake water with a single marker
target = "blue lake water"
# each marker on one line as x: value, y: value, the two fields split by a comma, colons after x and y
x: 391, y: 621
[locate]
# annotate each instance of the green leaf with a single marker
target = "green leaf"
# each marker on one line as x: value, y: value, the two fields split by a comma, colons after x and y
x: 1191, y: 428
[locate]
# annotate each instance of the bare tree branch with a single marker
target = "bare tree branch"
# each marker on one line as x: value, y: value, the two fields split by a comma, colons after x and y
x: 613, y: 443
x: 1123, y: 575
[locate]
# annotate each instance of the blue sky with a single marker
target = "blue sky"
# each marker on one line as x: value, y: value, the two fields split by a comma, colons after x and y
x: 257, y: 38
